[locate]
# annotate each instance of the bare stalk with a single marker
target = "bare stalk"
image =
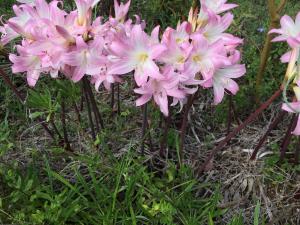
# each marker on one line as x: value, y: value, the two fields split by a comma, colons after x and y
x: 89, y: 111
x: 112, y: 100
x: 118, y: 99
x: 272, y: 126
x: 164, y: 139
x: 12, y: 86
x: 55, y: 129
x: 77, y: 112
x: 144, y: 127
x: 249, y: 120
x: 184, y: 124
x: 297, y: 152
x: 97, y: 115
x: 229, y: 117
x: 64, y: 126
x: 288, y: 137
x: 274, y: 23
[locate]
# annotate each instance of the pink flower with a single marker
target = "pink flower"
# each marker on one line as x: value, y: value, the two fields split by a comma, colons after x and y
x: 210, y: 9
x: 138, y: 53
x: 86, y: 58
x: 104, y: 78
x: 8, y: 34
x: 176, y: 54
x: 289, y: 31
x: 222, y: 80
x: 217, y: 6
x: 181, y: 35
x: 121, y: 10
x: 84, y: 9
x: 15, y: 25
x: 160, y: 90
x: 214, y: 30
x: 26, y: 63
x: 206, y: 57
x: 294, y: 107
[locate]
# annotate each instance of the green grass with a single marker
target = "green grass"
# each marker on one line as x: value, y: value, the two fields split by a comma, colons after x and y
x: 92, y: 188
x: 98, y: 191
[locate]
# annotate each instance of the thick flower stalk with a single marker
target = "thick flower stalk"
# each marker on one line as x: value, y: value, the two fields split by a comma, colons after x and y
x: 290, y: 33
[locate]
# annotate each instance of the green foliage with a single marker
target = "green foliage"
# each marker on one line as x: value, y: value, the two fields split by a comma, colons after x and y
x: 101, y: 192
x: 275, y: 172
x: 104, y: 190
x: 5, y: 140
x: 257, y: 214
x: 161, y: 12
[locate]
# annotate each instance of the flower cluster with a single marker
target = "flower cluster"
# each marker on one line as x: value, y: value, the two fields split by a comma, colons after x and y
x: 167, y: 68
x: 290, y: 33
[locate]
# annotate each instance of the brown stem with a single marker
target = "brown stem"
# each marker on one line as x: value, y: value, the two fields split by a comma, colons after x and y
x: 164, y: 140
x: 281, y: 6
x: 234, y: 112
x: 81, y: 99
x: 96, y: 109
x: 55, y: 129
x: 46, y: 128
x: 89, y: 111
x: 77, y: 112
x: 112, y: 100
x: 195, y: 4
x: 249, y: 120
x: 98, y: 117
x: 297, y: 152
x: 288, y: 137
x: 274, y: 22
x: 229, y: 118
x: 118, y: 99
x: 64, y: 126
x: 161, y: 118
x: 272, y: 126
x: 184, y: 124
x: 12, y: 86
x: 150, y: 138
x: 144, y: 127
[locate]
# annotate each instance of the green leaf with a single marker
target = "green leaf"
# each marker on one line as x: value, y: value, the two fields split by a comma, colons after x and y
x: 257, y: 213
x: 210, y: 219
x: 35, y: 115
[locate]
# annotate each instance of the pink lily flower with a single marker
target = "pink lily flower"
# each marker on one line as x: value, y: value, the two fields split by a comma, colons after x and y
x: 8, y: 34
x: 223, y: 80
x: 121, y: 10
x: 294, y: 107
x: 84, y: 8
x: 138, y: 53
x: 15, y: 25
x: 26, y: 63
x: 106, y: 79
x: 210, y: 9
x: 214, y: 30
x: 176, y: 55
x: 160, y: 90
x: 289, y: 31
x: 85, y: 58
x: 188, y: 83
x: 217, y: 6
x: 181, y: 35
x: 205, y: 57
